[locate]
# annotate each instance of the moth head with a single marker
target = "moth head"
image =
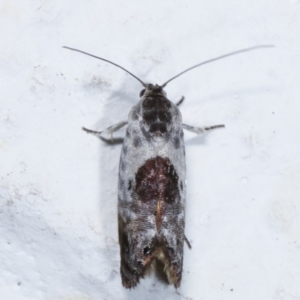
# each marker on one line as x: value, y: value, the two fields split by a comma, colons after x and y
x: 151, y: 89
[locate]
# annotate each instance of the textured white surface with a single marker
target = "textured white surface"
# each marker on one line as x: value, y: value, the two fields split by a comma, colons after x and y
x: 58, y: 185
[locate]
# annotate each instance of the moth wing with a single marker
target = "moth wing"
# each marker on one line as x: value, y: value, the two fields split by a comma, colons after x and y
x: 137, y: 230
x: 137, y: 243
x: 172, y: 238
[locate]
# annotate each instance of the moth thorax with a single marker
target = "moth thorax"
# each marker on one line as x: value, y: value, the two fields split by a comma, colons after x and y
x: 157, y: 113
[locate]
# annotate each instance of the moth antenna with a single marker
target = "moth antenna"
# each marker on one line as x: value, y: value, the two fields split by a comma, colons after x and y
x: 217, y: 58
x: 144, y: 85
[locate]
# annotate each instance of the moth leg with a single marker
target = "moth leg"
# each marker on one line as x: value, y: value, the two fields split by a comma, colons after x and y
x: 201, y: 130
x: 109, y: 130
x: 180, y: 101
x: 187, y: 242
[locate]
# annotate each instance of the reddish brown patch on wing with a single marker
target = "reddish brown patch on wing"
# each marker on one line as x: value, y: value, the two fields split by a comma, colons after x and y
x: 157, y: 185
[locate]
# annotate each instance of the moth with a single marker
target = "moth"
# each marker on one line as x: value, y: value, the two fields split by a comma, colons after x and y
x: 152, y: 181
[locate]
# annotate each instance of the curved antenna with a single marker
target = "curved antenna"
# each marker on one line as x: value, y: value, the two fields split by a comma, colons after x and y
x: 217, y: 58
x: 144, y: 85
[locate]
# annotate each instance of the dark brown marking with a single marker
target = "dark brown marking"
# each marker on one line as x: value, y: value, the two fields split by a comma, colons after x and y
x: 150, y: 116
x: 129, y: 184
x: 165, y: 116
x: 130, y: 278
x: 161, y: 127
x: 156, y: 112
x: 146, y: 250
x: 157, y: 184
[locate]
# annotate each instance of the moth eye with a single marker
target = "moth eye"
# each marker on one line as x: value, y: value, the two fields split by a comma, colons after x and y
x: 142, y: 92
x: 146, y: 250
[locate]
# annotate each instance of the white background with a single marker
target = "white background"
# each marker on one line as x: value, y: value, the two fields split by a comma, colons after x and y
x: 58, y: 185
